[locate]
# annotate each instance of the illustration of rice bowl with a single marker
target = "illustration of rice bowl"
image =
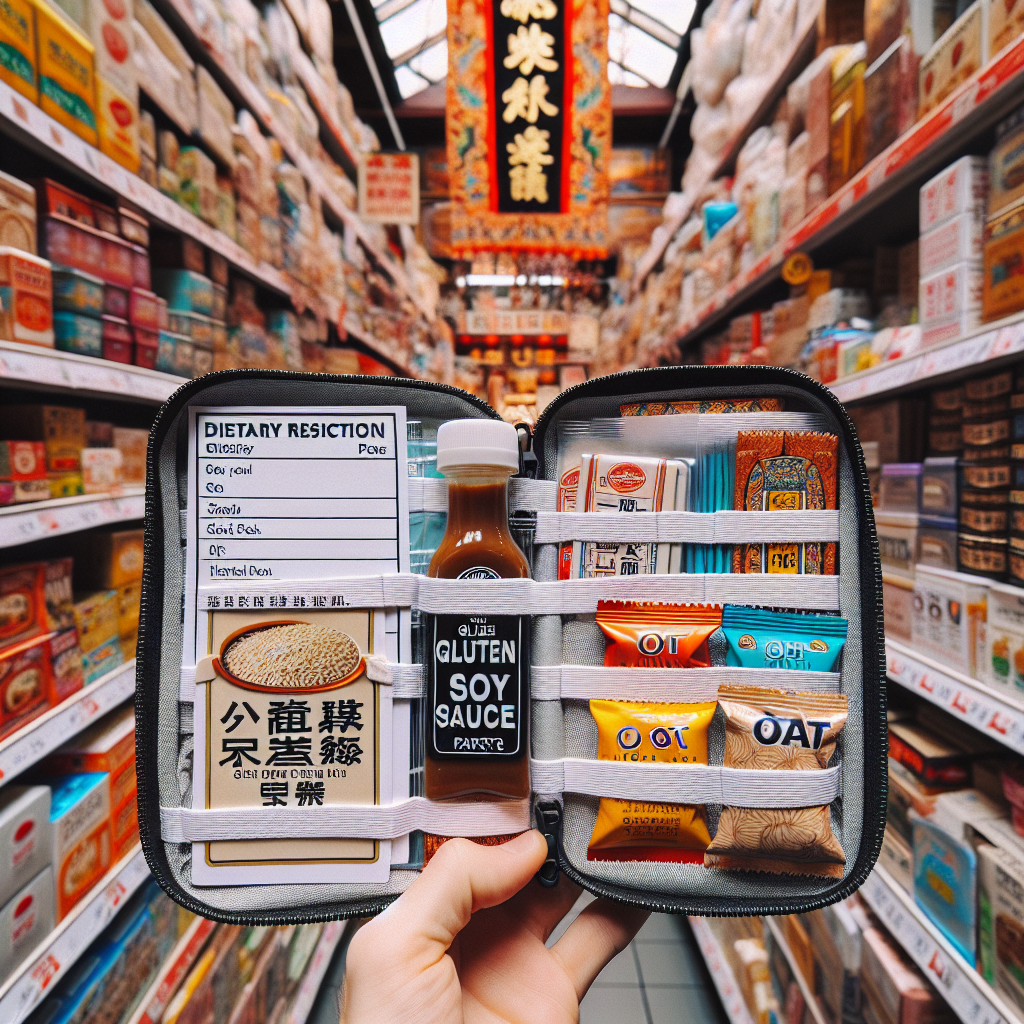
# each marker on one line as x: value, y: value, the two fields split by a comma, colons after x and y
x: 289, y: 655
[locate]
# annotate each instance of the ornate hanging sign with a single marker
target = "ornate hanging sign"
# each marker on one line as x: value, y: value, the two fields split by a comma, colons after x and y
x: 529, y: 126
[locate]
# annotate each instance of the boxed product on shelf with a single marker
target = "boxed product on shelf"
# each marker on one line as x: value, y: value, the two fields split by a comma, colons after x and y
x: 945, y: 866
x: 25, y: 921
x: 117, y: 339
x: 23, y: 591
x: 837, y: 940
x: 907, y: 793
x: 164, y: 69
x: 17, y: 198
x: 18, y: 38
x: 59, y: 598
x: 950, y: 302
x: 1003, y: 663
x: 897, y: 857
x: 940, y: 487
x: 66, y: 66
x: 146, y: 347
x: 79, y: 333
x: 897, y: 542
x: 96, y: 619
x: 216, y: 116
x: 1001, y: 922
x: 897, y: 991
x: 26, y: 297
x: 24, y: 836
x: 132, y: 443
x: 963, y: 187
x: 102, y: 659
x: 957, y: 54
x: 115, y: 301
x: 949, y: 616
x: 101, y: 470
x: 898, y: 606
x: 80, y: 836
x: 197, y: 183
x: 66, y: 673
x: 959, y: 240
x: 184, y: 290
x: 1006, y: 162
x: 17, y: 492
x: 900, y: 487
x: 26, y: 683
x: 890, y: 96
x: 932, y: 760
x: 1002, y: 288
x: 846, y: 123
x: 75, y: 291
x: 22, y: 460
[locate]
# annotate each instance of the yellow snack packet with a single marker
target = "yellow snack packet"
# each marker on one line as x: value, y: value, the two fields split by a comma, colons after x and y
x: 667, y: 733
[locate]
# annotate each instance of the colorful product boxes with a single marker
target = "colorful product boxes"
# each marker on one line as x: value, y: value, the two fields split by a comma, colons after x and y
x: 25, y: 292
x: 67, y: 89
x: 18, y: 46
x: 80, y: 836
x: 24, y: 836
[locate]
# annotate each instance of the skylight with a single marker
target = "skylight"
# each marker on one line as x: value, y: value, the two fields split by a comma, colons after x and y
x: 643, y: 40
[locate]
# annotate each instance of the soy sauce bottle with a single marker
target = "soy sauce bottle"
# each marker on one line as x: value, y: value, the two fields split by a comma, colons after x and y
x: 478, y: 691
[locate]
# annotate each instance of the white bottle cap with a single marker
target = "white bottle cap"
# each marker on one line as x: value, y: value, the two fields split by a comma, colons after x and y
x: 477, y: 443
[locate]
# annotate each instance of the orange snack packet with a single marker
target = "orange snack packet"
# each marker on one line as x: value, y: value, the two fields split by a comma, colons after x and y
x: 649, y: 635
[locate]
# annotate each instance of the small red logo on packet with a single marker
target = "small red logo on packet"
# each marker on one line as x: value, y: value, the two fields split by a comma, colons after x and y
x: 625, y: 477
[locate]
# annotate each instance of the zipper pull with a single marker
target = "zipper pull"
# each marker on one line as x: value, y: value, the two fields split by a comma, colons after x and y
x: 549, y: 822
x: 527, y: 457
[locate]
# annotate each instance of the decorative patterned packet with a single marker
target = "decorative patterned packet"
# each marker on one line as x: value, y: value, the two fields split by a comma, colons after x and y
x: 760, y: 638
x: 718, y: 405
x: 665, y: 733
x: 657, y: 635
x: 629, y: 485
x: 784, y: 471
x: 779, y: 731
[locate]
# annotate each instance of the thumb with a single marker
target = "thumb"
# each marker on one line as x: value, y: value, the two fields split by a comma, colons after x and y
x: 461, y: 878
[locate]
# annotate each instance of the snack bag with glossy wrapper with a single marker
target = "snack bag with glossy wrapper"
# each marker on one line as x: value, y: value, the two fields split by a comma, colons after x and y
x: 785, y: 471
x: 779, y: 731
x: 612, y: 483
x: 568, y: 487
x: 664, y: 733
x: 657, y: 635
x: 760, y: 638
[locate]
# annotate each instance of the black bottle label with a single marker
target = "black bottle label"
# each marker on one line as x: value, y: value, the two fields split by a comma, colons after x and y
x: 478, y: 688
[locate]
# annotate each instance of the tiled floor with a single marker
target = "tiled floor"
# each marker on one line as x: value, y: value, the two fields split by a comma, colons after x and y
x: 660, y: 978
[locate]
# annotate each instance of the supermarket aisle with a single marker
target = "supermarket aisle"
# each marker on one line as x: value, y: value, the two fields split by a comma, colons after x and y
x: 659, y: 979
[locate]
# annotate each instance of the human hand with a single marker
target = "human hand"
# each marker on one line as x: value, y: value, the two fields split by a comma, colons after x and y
x: 465, y: 944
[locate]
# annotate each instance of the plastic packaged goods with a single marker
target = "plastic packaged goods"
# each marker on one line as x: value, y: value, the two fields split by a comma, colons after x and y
x: 759, y: 638
x: 648, y: 636
x: 717, y: 48
x: 661, y: 733
x: 769, y: 729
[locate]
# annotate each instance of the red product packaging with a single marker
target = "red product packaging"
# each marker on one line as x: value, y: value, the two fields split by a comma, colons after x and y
x: 22, y: 460
x: 66, y: 674
x: 117, y: 340
x: 1013, y: 784
x: 115, y: 300
x: 26, y: 682
x: 140, y: 267
x: 146, y: 345
x: 118, y: 261
x: 73, y: 245
x: 934, y: 762
x: 144, y: 310
x: 22, y: 603
x: 56, y: 199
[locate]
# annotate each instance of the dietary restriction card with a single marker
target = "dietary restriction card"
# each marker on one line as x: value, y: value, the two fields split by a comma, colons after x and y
x: 281, y: 502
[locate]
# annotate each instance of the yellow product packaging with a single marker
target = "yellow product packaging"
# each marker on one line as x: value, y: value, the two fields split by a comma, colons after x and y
x: 18, y: 47
x: 775, y: 730
x: 65, y: 62
x: 118, y: 121
x: 664, y: 733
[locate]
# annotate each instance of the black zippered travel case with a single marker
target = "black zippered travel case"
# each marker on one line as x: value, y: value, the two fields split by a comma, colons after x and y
x: 566, y: 784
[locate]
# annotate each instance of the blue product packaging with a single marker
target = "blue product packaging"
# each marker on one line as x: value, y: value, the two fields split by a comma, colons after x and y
x: 716, y: 216
x: 184, y: 290
x: 75, y: 291
x: 758, y: 638
x: 74, y: 332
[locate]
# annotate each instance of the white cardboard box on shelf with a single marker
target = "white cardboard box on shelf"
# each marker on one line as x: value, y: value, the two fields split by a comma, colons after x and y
x: 959, y: 240
x: 24, y: 836
x: 959, y: 188
x: 950, y: 294
x: 949, y: 616
x: 25, y: 920
x: 1002, y: 662
x: 1001, y: 922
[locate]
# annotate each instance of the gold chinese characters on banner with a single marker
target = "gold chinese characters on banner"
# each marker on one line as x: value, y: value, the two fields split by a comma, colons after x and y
x: 528, y: 123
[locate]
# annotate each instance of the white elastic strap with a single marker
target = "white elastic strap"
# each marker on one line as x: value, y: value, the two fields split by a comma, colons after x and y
x: 526, y: 596
x: 587, y: 682
x: 188, y: 825
x: 430, y: 494
x: 686, y: 784
x: 407, y: 681
x: 726, y: 527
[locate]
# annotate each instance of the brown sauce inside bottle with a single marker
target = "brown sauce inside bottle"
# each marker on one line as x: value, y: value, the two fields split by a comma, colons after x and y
x: 477, y: 544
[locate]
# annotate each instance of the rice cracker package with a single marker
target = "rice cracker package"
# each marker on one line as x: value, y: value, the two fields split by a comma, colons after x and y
x: 778, y: 731
x: 785, y: 471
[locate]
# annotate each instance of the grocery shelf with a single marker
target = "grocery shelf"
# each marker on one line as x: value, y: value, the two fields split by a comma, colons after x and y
x: 355, y: 329
x: 33, y: 741
x: 810, y: 1002
x: 247, y: 94
x: 316, y: 969
x: 46, y: 368
x: 43, y: 134
x: 24, y: 990
x: 925, y: 149
x: 721, y: 972
x: 997, y: 715
x: 173, y: 972
x: 990, y: 343
x: 966, y: 991
x: 35, y: 520
x: 801, y: 49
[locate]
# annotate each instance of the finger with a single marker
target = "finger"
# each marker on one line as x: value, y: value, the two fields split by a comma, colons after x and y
x: 602, y: 930
x: 461, y: 878
x: 540, y: 909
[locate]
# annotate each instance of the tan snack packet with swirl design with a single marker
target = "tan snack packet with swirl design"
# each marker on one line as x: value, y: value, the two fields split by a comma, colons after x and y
x: 779, y: 731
